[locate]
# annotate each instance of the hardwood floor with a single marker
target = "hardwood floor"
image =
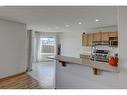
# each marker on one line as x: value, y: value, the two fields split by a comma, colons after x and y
x: 23, y: 81
x: 41, y: 77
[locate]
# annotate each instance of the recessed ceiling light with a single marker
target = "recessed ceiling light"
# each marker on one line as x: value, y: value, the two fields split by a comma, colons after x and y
x: 79, y: 22
x: 67, y: 25
x: 97, y: 20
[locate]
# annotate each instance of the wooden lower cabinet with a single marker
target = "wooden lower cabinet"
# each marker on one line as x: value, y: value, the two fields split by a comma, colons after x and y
x: 85, y: 57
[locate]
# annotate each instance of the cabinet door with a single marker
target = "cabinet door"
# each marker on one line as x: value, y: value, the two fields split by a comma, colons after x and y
x: 86, y: 57
x: 84, y: 40
x: 97, y: 36
x: 90, y: 39
x: 113, y: 34
x: 105, y: 36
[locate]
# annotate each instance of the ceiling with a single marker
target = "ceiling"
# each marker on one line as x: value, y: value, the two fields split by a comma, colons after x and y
x: 61, y: 18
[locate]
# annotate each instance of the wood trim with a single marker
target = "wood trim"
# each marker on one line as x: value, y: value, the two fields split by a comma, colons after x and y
x: 12, y: 76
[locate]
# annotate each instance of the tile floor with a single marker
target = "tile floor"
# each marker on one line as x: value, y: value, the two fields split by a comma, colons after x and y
x: 44, y: 72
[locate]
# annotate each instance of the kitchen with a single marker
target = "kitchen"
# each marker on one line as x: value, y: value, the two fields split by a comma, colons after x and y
x: 104, y: 45
x: 79, y: 42
x: 104, y: 52
x: 106, y: 40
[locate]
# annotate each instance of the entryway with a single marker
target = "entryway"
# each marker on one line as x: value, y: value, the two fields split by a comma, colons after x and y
x: 47, y: 48
x: 42, y: 69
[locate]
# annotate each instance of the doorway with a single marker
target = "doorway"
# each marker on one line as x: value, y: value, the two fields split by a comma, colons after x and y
x: 47, y: 48
x: 42, y: 68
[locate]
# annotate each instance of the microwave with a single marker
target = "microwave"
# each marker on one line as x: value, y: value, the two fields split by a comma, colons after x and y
x: 113, y: 43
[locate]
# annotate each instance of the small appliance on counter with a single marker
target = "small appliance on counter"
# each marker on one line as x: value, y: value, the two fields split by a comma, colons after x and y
x: 100, y: 55
x: 99, y: 51
x: 102, y: 51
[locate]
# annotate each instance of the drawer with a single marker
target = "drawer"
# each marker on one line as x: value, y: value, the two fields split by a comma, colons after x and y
x: 85, y: 56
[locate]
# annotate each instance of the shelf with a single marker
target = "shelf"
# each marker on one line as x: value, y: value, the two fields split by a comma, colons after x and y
x: 92, y: 64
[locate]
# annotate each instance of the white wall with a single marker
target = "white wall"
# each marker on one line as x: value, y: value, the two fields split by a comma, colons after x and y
x: 103, y: 29
x: 71, y: 42
x: 123, y: 36
x: 122, y: 28
x: 12, y: 48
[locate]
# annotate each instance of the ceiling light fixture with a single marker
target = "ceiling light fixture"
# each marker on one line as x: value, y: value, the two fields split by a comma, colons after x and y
x: 67, y: 25
x: 97, y: 20
x: 79, y: 22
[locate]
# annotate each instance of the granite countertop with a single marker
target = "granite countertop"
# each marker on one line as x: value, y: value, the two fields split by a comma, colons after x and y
x: 92, y: 64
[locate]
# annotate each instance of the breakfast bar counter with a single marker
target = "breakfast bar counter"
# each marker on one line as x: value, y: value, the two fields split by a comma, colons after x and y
x: 97, y: 66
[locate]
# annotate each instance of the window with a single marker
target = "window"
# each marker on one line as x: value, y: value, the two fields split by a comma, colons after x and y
x: 47, y: 45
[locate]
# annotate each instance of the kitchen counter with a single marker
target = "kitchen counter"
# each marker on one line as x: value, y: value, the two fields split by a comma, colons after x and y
x: 92, y: 64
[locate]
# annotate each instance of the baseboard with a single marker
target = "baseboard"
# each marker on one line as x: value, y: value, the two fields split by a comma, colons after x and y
x: 12, y: 76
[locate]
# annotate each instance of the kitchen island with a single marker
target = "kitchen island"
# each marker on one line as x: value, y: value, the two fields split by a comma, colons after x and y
x: 97, y: 66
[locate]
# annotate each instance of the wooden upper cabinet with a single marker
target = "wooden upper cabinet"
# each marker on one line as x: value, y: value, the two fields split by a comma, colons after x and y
x: 113, y: 34
x: 84, y: 40
x: 105, y: 36
x: 97, y: 36
x: 90, y: 39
